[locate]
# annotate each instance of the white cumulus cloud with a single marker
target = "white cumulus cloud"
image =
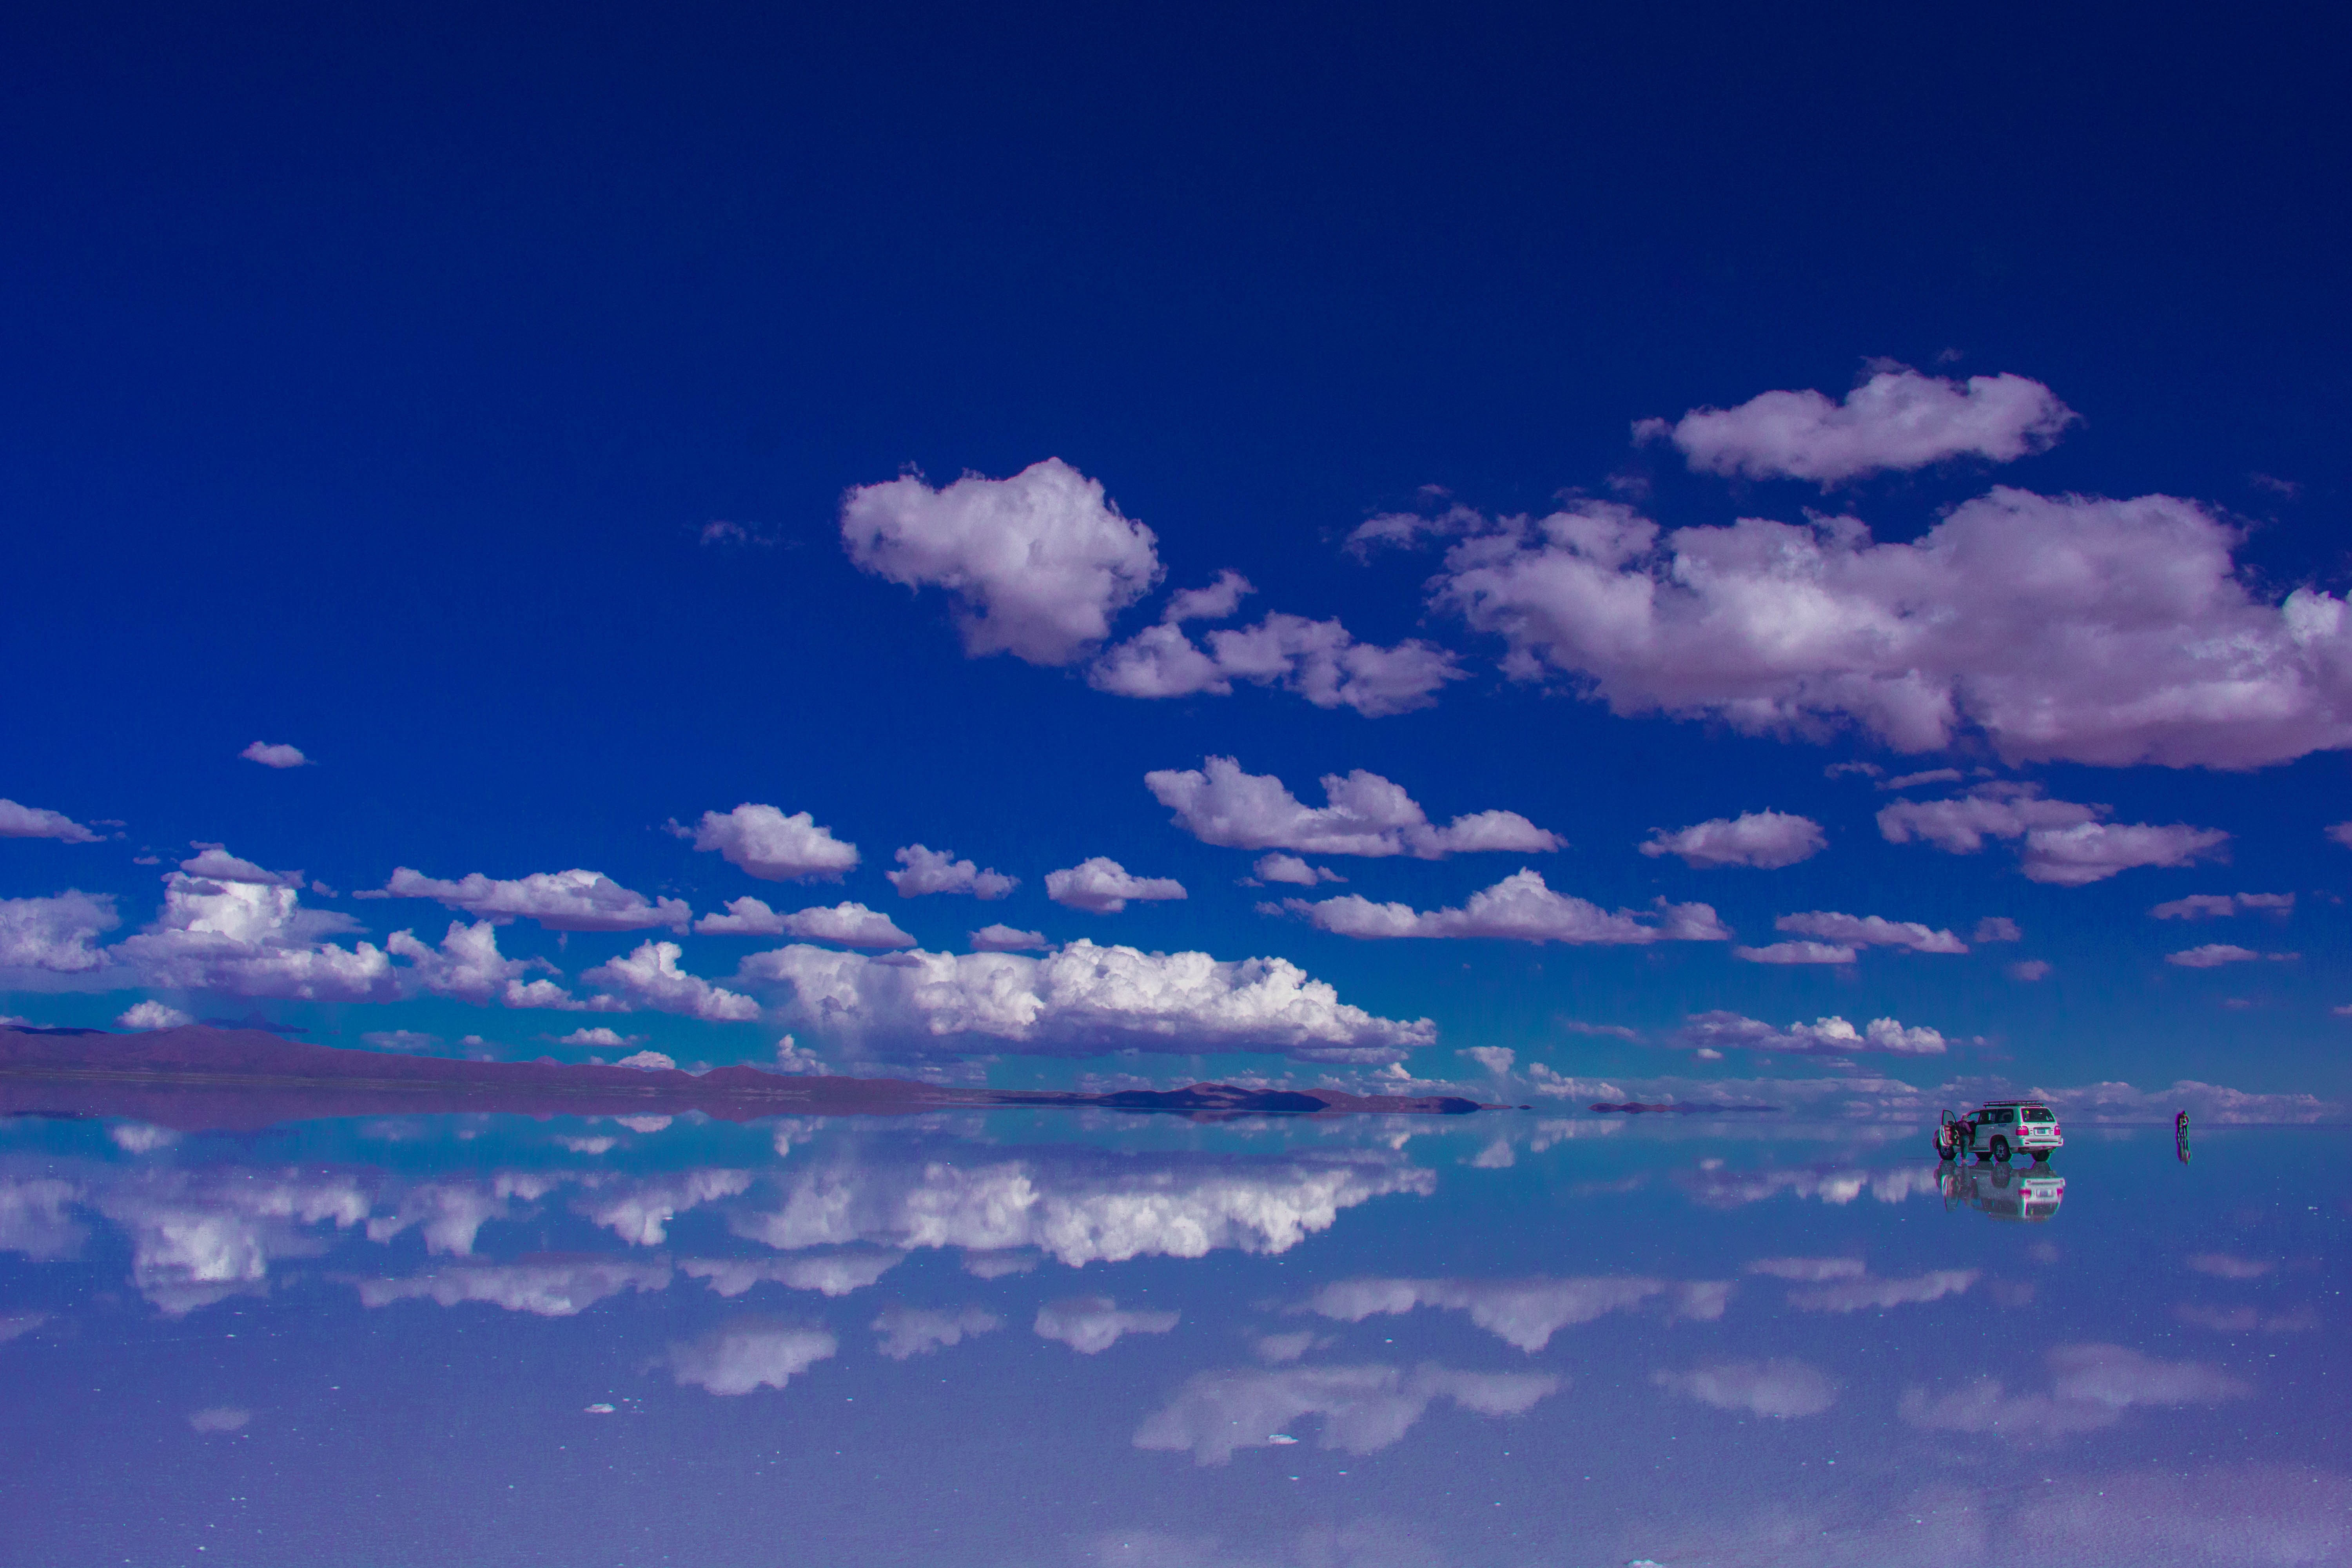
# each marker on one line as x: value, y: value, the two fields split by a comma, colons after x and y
x: 2073, y: 628
x: 1102, y: 886
x: 1364, y: 814
x: 33, y: 822
x: 1035, y: 565
x: 1081, y: 1000
x: 2059, y: 841
x: 56, y: 935
x: 1092, y: 1324
x: 152, y: 1015
x: 929, y: 871
x: 2216, y: 906
x: 849, y: 924
x: 1291, y: 871
x: 229, y: 926
x: 560, y: 901
x: 1797, y: 952
x: 1897, y: 419
x: 650, y: 977
x: 1217, y: 602
x: 1824, y: 1037
x: 469, y: 966
x: 1520, y: 908
x: 774, y: 847
x: 2213, y: 955
x: 1870, y: 931
x: 275, y: 756
x: 1766, y: 841
x: 1001, y: 938
x: 1318, y: 661
x: 602, y: 1039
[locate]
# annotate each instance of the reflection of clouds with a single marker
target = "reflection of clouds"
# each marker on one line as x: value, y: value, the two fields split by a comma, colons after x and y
x: 1092, y: 1324
x: 449, y: 1214
x: 903, y: 1331
x: 2225, y: 1517
x: 745, y: 1356
x: 1932, y: 1526
x: 2228, y: 1265
x: 1776, y: 1388
x: 1723, y: 1189
x: 2091, y: 1386
x: 199, y: 1238
x: 639, y: 1211
x: 1854, y: 1295
x: 1364, y: 1408
x: 1523, y: 1313
x: 547, y: 1286
x: 220, y: 1418
x: 1078, y: 1207
x: 2245, y: 1320
x: 139, y: 1138
x: 12, y: 1325
x: 33, y: 1219
x: 835, y: 1274
x: 1280, y: 1350
x: 997, y: 1265
x: 1812, y: 1271
x: 1374, y: 1543
x: 2237, y: 1514
x: 1551, y: 1131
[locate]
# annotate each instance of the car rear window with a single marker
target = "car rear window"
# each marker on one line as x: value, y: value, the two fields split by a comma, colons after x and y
x: 2035, y: 1113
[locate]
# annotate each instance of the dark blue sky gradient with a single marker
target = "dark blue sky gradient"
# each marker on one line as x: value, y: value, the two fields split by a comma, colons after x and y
x: 373, y: 373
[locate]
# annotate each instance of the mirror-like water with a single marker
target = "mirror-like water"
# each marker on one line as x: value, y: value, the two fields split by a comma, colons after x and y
x: 1000, y: 1338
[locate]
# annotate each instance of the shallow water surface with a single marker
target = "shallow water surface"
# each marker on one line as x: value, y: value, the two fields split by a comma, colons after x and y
x: 1022, y: 1338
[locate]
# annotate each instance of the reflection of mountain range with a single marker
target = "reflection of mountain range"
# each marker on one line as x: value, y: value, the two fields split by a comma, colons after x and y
x: 199, y: 1077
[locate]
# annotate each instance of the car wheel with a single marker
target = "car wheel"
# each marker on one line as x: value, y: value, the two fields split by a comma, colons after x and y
x: 2001, y: 1150
x: 2042, y: 1156
x: 1943, y: 1149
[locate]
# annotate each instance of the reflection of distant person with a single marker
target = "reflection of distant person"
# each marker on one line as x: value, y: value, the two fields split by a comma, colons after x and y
x: 2181, y: 1137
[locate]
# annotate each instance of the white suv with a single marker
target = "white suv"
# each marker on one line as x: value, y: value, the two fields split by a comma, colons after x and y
x: 1998, y: 1129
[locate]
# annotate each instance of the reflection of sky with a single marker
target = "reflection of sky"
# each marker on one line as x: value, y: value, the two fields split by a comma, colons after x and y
x: 1001, y: 1340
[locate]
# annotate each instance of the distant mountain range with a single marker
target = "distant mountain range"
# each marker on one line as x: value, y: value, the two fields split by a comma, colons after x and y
x: 200, y: 1078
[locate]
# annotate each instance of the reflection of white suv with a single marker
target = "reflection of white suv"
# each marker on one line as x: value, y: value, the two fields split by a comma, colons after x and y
x: 2032, y: 1196
x: 1998, y: 1129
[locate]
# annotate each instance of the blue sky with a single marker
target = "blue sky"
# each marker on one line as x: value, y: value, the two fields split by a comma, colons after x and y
x: 487, y: 409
